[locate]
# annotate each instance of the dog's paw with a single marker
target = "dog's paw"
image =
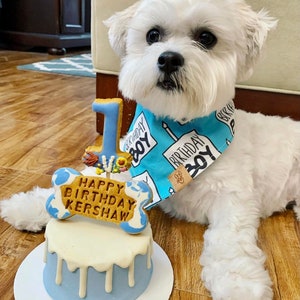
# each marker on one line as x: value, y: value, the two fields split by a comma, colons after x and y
x: 26, y: 211
x: 233, y: 265
x: 237, y: 280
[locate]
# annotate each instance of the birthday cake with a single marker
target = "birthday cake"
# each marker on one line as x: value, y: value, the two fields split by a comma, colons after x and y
x: 99, y: 242
x: 89, y: 259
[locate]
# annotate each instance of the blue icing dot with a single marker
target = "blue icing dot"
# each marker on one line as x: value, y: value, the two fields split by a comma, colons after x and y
x: 143, y: 219
x: 66, y: 215
x: 53, y: 211
x: 62, y: 175
x: 127, y: 228
x: 129, y: 183
x: 133, y: 185
x: 51, y: 197
x: 140, y: 186
x: 50, y: 209
x: 144, y: 187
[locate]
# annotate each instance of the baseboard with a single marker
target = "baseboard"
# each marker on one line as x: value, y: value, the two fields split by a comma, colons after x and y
x: 269, y: 103
x: 15, y: 38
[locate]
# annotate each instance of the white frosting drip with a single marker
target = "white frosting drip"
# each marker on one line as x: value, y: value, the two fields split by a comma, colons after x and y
x: 108, y: 280
x: 58, y: 278
x: 83, y: 243
x: 45, y: 252
x: 149, y: 256
x: 82, y: 283
x: 131, y: 275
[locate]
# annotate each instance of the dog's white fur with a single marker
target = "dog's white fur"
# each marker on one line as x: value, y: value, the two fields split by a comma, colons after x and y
x: 259, y: 173
x: 26, y: 211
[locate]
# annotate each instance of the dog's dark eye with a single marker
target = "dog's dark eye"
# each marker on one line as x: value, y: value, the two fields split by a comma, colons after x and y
x: 206, y: 39
x: 153, y: 36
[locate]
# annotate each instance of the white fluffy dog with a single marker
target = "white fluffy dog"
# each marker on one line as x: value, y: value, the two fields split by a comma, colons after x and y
x: 181, y: 60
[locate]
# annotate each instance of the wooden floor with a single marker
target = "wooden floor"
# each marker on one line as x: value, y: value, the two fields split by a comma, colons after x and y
x: 46, y: 122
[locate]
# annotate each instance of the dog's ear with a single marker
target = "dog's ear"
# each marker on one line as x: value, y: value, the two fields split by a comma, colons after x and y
x: 118, y: 26
x: 257, y: 26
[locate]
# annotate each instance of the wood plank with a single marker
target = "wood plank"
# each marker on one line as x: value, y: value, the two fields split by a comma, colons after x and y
x: 172, y: 235
x: 280, y: 240
x: 12, y: 253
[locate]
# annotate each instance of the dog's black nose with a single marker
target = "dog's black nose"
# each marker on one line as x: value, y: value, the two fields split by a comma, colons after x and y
x: 170, y: 61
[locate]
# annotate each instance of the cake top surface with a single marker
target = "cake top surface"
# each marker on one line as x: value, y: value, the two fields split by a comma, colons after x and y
x: 97, y: 244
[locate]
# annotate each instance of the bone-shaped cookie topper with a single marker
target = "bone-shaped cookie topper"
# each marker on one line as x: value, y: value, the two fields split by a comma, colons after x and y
x: 99, y: 198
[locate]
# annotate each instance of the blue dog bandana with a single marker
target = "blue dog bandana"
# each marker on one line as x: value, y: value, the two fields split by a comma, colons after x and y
x: 168, y: 154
